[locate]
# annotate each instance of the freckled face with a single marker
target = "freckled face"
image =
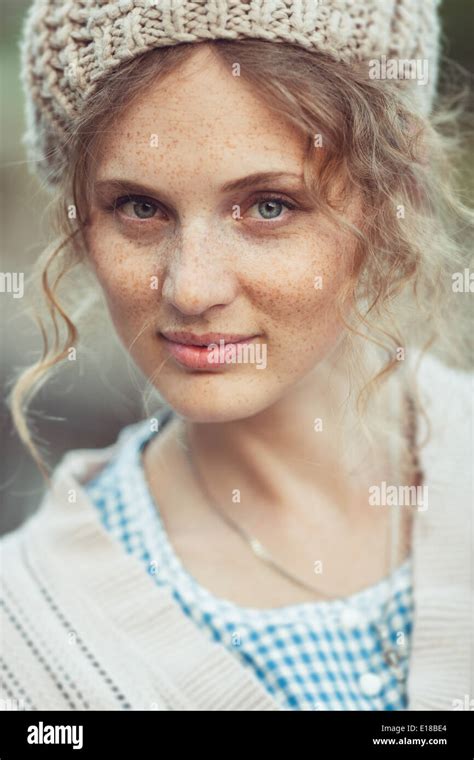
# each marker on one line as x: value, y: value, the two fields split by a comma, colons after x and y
x: 178, y: 246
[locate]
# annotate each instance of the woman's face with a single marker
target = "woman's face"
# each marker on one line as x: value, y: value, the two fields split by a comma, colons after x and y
x: 213, y: 233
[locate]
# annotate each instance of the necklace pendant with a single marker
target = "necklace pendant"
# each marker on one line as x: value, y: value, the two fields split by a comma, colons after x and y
x: 257, y: 547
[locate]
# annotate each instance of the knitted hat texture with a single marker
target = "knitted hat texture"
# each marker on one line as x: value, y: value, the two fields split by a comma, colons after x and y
x: 68, y: 46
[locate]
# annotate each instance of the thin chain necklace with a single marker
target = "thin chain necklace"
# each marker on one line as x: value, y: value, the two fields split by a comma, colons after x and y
x: 392, y: 653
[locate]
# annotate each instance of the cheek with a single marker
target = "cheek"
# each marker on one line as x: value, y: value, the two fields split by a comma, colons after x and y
x: 299, y: 296
x: 125, y: 276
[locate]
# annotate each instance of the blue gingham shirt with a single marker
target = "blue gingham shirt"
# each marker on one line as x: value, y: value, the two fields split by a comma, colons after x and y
x: 309, y: 656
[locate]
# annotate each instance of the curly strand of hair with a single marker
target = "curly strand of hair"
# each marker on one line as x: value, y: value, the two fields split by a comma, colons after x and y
x: 29, y: 381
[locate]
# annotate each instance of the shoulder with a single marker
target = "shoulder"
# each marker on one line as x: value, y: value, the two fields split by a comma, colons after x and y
x: 446, y: 426
x: 75, y: 469
x: 435, y: 375
x: 61, y: 548
x: 78, y: 466
x: 446, y: 393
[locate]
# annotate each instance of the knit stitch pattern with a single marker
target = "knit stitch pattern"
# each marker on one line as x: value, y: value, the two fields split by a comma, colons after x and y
x: 68, y: 46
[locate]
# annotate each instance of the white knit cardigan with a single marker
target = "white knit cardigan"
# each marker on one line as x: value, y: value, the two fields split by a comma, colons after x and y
x: 85, y: 627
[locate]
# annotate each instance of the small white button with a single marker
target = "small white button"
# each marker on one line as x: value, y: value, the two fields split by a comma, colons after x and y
x: 350, y: 617
x: 370, y: 684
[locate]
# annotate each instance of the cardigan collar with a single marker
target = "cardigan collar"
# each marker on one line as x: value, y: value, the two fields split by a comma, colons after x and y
x: 194, y: 672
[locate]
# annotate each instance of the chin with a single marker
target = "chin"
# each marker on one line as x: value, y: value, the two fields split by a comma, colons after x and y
x: 214, y: 398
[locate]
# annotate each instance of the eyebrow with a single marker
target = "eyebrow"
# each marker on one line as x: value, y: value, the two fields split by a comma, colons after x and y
x: 120, y: 185
x: 258, y: 178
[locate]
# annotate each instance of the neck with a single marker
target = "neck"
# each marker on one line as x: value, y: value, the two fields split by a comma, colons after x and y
x: 307, y: 448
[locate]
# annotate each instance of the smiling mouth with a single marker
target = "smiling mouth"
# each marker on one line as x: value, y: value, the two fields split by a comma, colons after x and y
x: 197, y: 355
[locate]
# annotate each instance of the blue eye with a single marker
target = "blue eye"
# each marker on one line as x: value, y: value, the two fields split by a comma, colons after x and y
x: 143, y: 208
x: 271, y: 208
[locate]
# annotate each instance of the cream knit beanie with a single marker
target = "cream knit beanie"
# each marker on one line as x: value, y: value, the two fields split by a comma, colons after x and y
x: 67, y: 46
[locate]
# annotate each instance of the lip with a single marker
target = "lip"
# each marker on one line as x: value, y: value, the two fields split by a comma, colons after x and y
x: 192, y: 339
x: 191, y: 350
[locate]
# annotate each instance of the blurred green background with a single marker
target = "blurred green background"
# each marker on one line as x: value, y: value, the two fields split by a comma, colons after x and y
x: 85, y: 408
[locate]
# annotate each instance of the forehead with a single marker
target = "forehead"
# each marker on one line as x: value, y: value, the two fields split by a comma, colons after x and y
x: 200, y: 119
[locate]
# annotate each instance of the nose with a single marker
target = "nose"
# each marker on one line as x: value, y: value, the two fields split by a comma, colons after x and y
x: 198, y: 273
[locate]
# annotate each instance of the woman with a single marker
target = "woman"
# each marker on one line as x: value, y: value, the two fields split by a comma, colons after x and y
x: 274, y: 233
